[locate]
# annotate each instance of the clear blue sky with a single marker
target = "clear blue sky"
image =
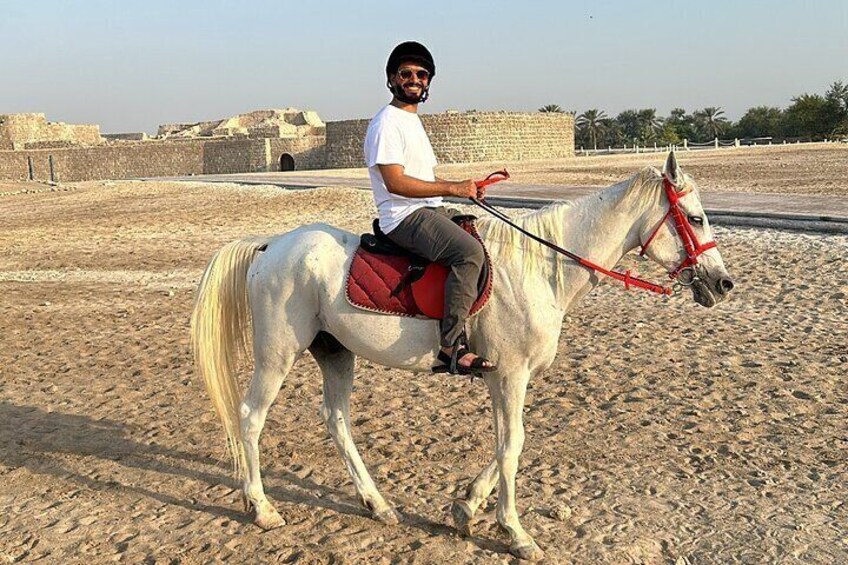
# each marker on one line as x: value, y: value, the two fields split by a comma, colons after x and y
x: 131, y: 65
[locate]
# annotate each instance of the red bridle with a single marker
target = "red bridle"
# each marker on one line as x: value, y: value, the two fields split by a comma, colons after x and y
x: 683, y: 228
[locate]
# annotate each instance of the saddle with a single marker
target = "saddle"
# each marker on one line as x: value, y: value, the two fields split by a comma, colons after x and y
x: 386, y: 278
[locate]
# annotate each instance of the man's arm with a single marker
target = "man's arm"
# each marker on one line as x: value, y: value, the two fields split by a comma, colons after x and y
x: 398, y: 183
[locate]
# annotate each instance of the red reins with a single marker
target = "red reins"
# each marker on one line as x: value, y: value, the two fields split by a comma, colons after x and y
x: 684, y: 230
x: 497, y: 176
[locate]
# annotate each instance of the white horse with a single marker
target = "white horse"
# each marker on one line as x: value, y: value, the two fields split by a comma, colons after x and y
x: 292, y: 286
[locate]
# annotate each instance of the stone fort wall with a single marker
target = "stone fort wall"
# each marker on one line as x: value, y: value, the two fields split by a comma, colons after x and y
x: 468, y: 137
x: 456, y: 137
x: 157, y: 158
x: 309, y: 152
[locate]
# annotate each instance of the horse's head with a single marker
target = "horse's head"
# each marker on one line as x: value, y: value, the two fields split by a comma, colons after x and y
x: 677, y: 235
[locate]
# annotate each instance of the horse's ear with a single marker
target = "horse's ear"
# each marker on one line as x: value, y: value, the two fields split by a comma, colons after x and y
x: 672, y: 170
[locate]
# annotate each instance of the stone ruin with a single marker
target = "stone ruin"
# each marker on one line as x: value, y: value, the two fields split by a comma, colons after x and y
x: 33, y: 131
x: 260, y: 124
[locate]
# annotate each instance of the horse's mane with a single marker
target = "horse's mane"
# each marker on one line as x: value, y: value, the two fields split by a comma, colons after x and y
x: 506, y: 244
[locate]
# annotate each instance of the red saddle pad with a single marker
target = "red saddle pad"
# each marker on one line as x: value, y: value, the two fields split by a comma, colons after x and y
x: 372, y: 278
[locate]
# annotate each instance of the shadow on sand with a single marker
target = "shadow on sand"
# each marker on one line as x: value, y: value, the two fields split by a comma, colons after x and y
x: 32, y: 436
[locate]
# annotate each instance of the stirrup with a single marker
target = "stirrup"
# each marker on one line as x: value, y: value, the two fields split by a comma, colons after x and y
x: 451, y: 362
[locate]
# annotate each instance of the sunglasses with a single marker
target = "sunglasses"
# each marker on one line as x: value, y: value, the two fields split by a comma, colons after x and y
x: 420, y: 74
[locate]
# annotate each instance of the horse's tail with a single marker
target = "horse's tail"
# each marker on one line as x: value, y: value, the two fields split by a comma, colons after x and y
x: 220, y: 334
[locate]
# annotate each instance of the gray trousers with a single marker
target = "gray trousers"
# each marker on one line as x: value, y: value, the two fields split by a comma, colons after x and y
x: 430, y: 233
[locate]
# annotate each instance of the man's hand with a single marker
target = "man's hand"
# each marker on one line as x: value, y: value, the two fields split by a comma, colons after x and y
x: 464, y: 189
x: 398, y: 183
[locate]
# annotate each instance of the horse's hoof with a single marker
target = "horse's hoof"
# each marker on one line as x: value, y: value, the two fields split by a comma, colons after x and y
x: 530, y: 552
x: 387, y: 516
x: 269, y: 520
x: 462, y: 516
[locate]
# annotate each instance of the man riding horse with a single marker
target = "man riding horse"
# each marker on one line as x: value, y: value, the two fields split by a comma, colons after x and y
x: 408, y: 196
x: 286, y: 294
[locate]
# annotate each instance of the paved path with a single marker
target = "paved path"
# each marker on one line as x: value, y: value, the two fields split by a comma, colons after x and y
x: 827, y: 214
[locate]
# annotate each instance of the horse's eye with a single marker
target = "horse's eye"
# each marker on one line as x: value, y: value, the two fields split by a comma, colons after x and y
x: 697, y: 220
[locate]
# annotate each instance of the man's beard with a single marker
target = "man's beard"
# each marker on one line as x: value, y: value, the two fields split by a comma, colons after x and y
x: 401, y: 95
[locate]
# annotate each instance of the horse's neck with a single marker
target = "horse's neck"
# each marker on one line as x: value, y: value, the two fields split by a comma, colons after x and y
x: 602, y: 227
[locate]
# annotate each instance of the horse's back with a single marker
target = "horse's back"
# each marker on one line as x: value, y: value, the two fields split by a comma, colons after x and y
x: 309, y: 247
x: 291, y: 281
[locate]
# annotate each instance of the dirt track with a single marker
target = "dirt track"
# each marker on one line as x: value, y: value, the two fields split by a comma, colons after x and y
x: 672, y: 433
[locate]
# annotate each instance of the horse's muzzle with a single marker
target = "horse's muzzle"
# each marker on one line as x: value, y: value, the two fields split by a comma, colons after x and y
x: 708, y: 290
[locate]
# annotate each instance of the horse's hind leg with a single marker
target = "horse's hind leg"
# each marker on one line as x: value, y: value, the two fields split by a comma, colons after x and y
x: 336, y: 364
x: 267, y: 379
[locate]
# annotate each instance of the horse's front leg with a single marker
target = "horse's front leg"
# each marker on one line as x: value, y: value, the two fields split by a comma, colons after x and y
x: 478, y: 491
x: 508, y: 402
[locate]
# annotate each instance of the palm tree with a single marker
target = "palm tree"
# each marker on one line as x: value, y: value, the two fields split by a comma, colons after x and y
x: 712, y: 120
x: 593, y: 122
x: 650, y: 124
x: 628, y: 120
x: 554, y: 108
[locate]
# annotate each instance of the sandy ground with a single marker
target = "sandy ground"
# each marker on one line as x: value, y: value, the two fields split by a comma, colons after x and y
x: 664, y: 432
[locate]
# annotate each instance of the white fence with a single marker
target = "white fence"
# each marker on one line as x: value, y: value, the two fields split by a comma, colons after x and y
x: 690, y: 146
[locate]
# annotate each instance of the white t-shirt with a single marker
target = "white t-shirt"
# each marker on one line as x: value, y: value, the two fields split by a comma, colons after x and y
x: 396, y: 137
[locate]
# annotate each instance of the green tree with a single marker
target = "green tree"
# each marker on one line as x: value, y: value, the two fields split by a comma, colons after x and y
x: 591, y: 124
x: 837, y: 95
x: 552, y: 108
x: 812, y: 116
x: 612, y: 135
x: 760, y: 121
x: 668, y: 136
x: 681, y: 123
x: 639, y: 126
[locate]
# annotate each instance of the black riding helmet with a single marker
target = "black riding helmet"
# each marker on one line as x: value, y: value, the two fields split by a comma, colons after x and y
x: 410, y: 51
